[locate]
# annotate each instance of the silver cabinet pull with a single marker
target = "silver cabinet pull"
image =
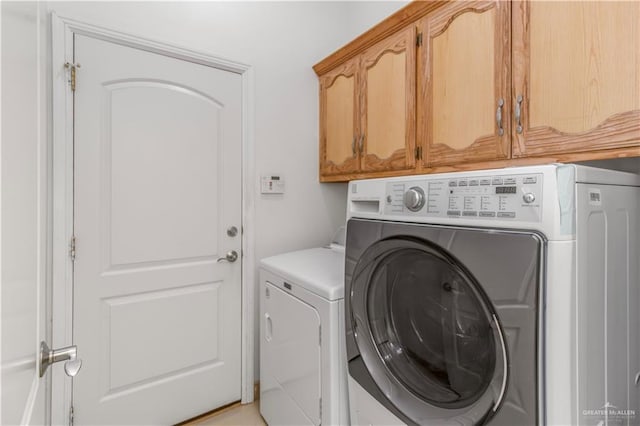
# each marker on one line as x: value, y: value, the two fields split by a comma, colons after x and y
x: 353, y: 146
x: 69, y: 354
x: 499, y: 117
x: 518, y: 114
x: 361, y: 144
x: 231, y: 256
x: 232, y: 231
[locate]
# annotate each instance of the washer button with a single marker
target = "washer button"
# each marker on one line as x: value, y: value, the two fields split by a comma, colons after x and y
x: 529, y: 197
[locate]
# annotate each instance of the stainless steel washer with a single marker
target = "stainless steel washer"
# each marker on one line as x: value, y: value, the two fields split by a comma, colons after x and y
x: 500, y: 297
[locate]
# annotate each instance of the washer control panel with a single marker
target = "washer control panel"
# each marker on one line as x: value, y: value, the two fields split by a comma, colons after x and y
x: 504, y: 197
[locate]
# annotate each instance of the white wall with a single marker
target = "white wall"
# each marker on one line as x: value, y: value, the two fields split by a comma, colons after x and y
x: 362, y: 15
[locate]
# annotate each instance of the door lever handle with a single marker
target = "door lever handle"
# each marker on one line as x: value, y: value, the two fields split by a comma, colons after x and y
x: 69, y: 354
x: 231, y: 256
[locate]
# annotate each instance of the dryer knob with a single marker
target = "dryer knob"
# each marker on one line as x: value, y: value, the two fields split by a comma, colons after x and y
x: 529, y: 197
x: 414, y: 198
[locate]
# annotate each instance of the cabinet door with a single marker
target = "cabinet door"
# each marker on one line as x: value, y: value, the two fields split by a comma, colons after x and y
x: 576, y: 70
x: 338, y: 120
x: 464, y: 78
x: 387, y: 139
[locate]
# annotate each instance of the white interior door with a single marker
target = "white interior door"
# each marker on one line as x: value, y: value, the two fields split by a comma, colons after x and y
x: 23, y: 313
x: 157, y: 184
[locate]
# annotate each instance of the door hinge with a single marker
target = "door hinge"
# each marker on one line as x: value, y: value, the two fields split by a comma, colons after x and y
x: 72, y: 248
x: 72, y: 74
x: 71, y: 416
x: 419, y: 39
x: 418, y: 153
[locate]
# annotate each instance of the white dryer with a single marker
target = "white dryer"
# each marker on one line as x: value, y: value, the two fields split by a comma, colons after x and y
x: 302, y: 366
x: 501, y: 297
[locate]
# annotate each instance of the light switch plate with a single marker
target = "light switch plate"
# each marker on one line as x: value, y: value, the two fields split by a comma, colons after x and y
x: 272, y: 184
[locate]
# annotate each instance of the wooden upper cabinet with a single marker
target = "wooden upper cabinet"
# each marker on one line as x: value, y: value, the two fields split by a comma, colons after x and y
x: 576, y: 69
x: 339, y: 120
x: 444, y: 85
x: 463, y: 83
x: 387, y: 105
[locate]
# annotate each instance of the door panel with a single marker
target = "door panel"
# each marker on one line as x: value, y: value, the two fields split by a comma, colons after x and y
x: 181, y: 317
x: 178, y: 126
x: 157, y: 182
x: 338, y: 120
x: 386, y: 110
x: 451, y: 70
x: 388, y: 107
x: 465, y: 67
x: 593, y: 102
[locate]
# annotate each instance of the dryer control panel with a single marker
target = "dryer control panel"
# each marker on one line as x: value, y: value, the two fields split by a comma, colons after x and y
x: 501, y: 197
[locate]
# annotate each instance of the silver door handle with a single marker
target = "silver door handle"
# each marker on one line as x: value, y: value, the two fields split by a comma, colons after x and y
x: 353, y: 146
x: 231, y: 256
x: 69, y: 354
x: 361, y: 144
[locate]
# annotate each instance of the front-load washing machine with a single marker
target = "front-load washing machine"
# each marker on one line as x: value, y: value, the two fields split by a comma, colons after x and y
x: 502, y: 297
x: 303, y: 379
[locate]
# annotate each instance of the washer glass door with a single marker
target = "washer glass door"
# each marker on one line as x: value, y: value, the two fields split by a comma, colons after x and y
x: 427, y: 332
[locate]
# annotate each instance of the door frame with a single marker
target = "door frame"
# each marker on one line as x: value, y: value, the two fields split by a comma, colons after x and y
x: 61, y: 159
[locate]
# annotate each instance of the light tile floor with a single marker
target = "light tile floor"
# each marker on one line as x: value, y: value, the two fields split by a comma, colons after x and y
x: 243, y: 415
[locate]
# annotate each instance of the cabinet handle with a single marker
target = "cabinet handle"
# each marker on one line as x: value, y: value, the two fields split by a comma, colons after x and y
x: 518, y: 114
x: 361, y: 145
x: 353, y: 146
x: 499, y: 117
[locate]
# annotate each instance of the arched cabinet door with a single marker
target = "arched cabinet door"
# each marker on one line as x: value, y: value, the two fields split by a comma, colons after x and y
x: 387, y: 108
x: 576, y: 79
x: 339, y: 128
x: 463, y: 83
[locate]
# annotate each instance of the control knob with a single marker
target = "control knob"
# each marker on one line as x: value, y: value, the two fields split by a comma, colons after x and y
x: 414, y: 198
x: 529, y: 197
